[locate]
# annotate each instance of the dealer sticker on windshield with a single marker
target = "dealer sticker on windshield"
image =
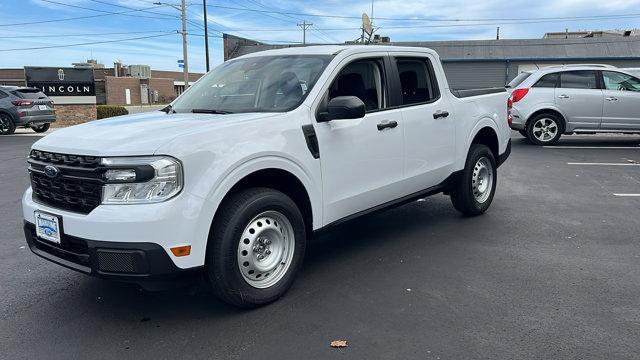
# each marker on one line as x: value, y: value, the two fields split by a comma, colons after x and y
x: 47, y: 227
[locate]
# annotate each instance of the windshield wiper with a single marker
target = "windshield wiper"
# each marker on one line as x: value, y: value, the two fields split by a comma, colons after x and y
x: 210, y: 111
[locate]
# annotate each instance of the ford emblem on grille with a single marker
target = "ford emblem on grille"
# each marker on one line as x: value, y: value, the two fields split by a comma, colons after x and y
x: 51, y: 171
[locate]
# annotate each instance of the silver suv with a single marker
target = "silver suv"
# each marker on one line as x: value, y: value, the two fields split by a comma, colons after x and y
x: 570, y: 99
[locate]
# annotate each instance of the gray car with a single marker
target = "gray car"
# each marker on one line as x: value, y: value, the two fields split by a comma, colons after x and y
x: 24, y: 107
x: 570, y: 99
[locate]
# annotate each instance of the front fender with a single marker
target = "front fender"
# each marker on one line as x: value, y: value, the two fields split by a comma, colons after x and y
x: 225, y: 180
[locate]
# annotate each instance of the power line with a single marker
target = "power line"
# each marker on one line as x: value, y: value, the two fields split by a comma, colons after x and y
x: 591, y: 17
x: 105, y: 11
x: 83, y: 34
x: 87, y: 43
x: 130, y: 8
x: 76, y: 18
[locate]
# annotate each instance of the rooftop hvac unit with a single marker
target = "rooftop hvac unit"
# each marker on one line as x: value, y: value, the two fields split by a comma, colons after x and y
x: 140, y: 71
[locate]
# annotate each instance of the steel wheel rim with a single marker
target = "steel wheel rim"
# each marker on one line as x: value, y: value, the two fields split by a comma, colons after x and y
x: 545, y: 129
x: 482, y: 180
x: 265, y: 250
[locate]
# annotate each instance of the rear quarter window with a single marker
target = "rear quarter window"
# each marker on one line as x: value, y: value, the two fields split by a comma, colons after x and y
x: 548, y: 81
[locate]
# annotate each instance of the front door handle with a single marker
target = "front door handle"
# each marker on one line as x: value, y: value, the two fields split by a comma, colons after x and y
x: 387, y: 124
x: 440, y: 114
x: 563, y: 96
x: 611, y: 99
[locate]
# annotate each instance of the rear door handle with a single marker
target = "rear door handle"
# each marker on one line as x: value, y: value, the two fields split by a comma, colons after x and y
x: 563, y: 96
x: 611, y: 99
x: 440, y: 114
x: 387, y: 124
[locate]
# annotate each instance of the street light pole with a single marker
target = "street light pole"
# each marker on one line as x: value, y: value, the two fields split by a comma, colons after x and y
x: 184, y: 44
x: 206, y: 34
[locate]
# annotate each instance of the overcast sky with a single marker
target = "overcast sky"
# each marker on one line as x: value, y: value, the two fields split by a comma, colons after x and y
x: 251, y: 18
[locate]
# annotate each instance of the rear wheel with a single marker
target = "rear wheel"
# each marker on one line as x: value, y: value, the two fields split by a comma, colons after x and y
x: 256, y: 247
x: 544, y: 129
x: 477, y: 184
x: 40, y: 128
x: 7, y: 127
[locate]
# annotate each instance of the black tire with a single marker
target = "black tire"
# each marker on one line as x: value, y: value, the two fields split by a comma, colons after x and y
x: 41, y: 128
x: 222, y: 260
x: 462, y: 196
x: 552, y: 120
x: 523, y: 133
x: 7, y: 127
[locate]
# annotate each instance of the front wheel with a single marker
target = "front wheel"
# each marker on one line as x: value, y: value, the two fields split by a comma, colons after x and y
x: 476, y: 186
x: 40, y: 128
x: 256, y: 247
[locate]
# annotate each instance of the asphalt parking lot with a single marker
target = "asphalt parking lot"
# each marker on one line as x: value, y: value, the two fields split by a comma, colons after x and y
x: 552, y: 271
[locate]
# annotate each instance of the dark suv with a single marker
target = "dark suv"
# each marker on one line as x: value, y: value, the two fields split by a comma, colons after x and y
x: 24, y: 107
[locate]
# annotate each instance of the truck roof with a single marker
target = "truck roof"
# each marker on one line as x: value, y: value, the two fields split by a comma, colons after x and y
x: 335, y: 49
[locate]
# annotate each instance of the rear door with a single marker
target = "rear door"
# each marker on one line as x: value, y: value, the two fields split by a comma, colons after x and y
x: 621, y: 101
x: 361, y: 159
x: 580, y: 98
x: 428, y: 122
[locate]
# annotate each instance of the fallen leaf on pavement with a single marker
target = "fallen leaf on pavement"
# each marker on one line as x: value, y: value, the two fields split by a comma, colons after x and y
x: 339, y: 343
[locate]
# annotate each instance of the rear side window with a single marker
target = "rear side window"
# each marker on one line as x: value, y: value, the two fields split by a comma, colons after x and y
x: 583, y: 79
x: 417, y: 80
x: 518, y: 79
x: 548, y: 81
x: 29, y: 94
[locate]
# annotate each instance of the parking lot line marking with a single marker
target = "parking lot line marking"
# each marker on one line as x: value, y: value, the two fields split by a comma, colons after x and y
x: 603, y: 164
x: 593, y: 147
x: 627, y: 195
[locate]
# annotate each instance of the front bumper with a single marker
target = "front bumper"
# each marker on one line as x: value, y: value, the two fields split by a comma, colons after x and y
x: 144, y: 263
x: 182, y: 220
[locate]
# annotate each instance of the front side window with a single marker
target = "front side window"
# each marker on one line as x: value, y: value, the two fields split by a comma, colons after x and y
x: 256, y: 84
x: 547, y: 81
x: 364, y: 80
x: 619, y: 81
x: 582, y: 79
x: 417, y: 81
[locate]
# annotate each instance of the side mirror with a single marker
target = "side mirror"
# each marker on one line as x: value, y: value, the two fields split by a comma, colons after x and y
x: 343, y: 107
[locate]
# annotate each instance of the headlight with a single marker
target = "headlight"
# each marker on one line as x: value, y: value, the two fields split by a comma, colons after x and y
x: 141, y: 180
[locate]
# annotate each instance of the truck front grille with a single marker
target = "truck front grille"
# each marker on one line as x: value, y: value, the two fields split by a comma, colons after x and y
x: 76, y: 187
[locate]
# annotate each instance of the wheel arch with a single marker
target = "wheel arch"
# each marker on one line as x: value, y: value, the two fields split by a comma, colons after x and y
x: 555, y: 112
x: 273, y: 172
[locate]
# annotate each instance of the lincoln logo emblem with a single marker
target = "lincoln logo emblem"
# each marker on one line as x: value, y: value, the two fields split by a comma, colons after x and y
x: 51, y: 171
x: 60, y: 74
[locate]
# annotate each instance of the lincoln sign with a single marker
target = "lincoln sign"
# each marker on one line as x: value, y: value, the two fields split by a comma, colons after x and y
x: 61, y: 81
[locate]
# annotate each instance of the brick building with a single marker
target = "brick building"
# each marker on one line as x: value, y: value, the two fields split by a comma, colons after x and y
x: 118, y: 86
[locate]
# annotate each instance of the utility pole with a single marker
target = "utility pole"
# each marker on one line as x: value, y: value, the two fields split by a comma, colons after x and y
x: 305, y: 25
x: 184, y: 44
x: 206, y: 34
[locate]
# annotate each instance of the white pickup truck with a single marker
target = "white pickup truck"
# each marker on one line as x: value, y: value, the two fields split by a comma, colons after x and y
x: 232, y: 179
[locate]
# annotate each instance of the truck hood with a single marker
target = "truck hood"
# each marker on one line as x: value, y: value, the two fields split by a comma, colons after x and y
x: 140, y: 134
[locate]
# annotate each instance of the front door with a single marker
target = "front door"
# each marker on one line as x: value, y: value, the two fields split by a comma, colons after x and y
x: 580, y: 98
x: 621, y: 101
x: 361, y: 159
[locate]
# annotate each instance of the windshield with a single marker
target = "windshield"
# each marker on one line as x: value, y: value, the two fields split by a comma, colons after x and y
x: 256, y: 84
x: 518, y: 79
